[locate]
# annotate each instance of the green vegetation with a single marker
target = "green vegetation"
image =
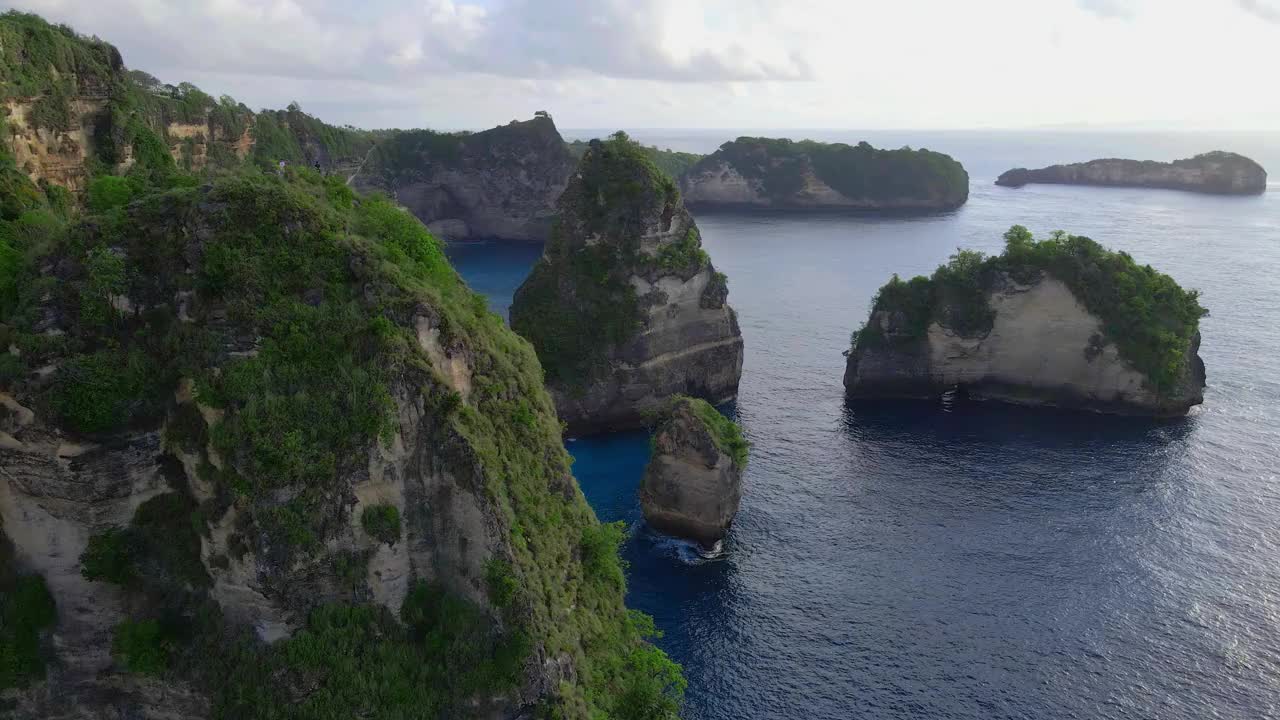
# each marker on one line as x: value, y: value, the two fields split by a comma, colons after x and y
x: 685, y: 256
x: 161, y: 546
x: 26, y: 611
x: 671, y: 162
x: 40, y: 60
x: 1145, y: 313
x: 142, y: 647
x: 856, y: 171
x: 578, y: 300
x: 382, y: 522
x: 725, y: 432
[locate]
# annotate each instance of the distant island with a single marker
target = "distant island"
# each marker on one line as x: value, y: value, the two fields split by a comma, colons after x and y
x: 780, y: 173
x: 1216, y: 173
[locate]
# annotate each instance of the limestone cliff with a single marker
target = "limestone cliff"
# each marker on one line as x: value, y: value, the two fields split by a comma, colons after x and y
x: 765, y: 172
x: 693, y: 483
x: 625, y: 308
x: 71, y: 109
x: 499, y: 183
x: 1059, y: 322
x: 271, y: 458
x: 1219, y: 173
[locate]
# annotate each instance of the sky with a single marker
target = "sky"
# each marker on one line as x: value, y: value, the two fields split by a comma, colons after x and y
x: 859, y: 64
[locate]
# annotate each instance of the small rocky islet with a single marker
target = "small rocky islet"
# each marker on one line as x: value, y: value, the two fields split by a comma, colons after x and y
x: 693, y: 483
x: 1059, y: 322
x: 1215, y: 173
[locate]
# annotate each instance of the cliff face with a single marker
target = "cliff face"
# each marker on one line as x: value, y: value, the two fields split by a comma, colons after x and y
x: 693, y: 483
x: 625, y: 308
x: 500, y: 183
x: 272, y: 458
x: 1011, y: 330
x: 762, y: 172
x: 1220, y: 173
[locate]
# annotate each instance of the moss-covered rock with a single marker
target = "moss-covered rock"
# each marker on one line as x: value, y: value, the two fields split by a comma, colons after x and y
x: 1061, y: 321
x: 693, y: 483
x: 625, y: 308
x: 780, y: 173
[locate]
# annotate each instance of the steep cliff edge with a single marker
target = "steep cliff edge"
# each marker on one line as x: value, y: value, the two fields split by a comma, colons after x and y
x: 1060, y: 322
x: 1218, y: 173
x: 272, y: 459
x: 73, y: 112
x: 499, y: 183
x: 625, y: 308
x: 693, y: 483
x: 765, y: 172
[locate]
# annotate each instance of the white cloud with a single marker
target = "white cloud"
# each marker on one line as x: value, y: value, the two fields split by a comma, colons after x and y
x: 713, y: 63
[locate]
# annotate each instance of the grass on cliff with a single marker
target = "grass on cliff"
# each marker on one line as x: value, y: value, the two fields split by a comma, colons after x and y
x: 1149, y: 317
x: 671, y: 162
x: 726, y: 433
x: 297, y: 328
x: 26, y: 611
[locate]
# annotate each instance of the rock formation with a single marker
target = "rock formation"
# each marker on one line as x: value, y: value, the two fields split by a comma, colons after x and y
x: 1060, y: 322
x: 500, y: 183
x: 261, y: 449
x: 625, y: 308
x: 693, y: 483
x: 764, y: 172
x: 1218, y: 173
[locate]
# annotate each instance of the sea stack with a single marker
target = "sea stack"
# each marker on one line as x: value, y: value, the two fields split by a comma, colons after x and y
x: 625, y: 308
x: 1059, y: 322
x: 1216, y: 173
x: 693, y: 484
x: 807, y: 175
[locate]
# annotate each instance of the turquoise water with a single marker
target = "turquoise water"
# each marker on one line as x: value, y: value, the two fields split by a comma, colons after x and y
x: 971, y: 561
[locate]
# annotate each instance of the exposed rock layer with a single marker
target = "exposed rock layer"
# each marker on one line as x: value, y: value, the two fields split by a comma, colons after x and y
x: 499, y: 183
x: 1219, y: 173
x: 691, y: 487
x: 625, y: 308
x: 768, y: 173
x: 1044, y: 348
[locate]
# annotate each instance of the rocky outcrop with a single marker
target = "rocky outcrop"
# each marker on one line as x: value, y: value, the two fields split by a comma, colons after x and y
x: 1218, y: 173
x: 625, y: 308
x: 807, y: 175
x: 1020, y: 334
x: 693, y: 483
x: 499, y: 183
x: 198, y: 414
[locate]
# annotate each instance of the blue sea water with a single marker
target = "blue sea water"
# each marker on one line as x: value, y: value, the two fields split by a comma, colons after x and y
x: 971, y: 561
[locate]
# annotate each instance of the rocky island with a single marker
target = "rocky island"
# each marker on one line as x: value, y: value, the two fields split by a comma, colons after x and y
x: 499, y: 183
x: 1217, y: 173
x: 693, y: 483
x: 1061, y: 322
x: 625, y: 308
x: 264, y: 455
x: 773, y: 173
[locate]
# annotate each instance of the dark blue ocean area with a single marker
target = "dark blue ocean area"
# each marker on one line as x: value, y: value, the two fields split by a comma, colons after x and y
x: 963, y: 560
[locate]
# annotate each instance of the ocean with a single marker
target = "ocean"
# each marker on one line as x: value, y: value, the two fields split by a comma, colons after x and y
x: 965, y: 560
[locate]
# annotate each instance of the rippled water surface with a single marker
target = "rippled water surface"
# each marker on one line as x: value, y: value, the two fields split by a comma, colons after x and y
x: 919, y: 561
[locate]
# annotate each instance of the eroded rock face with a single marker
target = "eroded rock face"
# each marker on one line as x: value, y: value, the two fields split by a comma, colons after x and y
x: 1044, y: 348
x: 781, y: 174
x: 691, y: 487
x: 62, y: 485
x: 1219, y: 173
x: 625, y: 308
x: 499, y: 183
